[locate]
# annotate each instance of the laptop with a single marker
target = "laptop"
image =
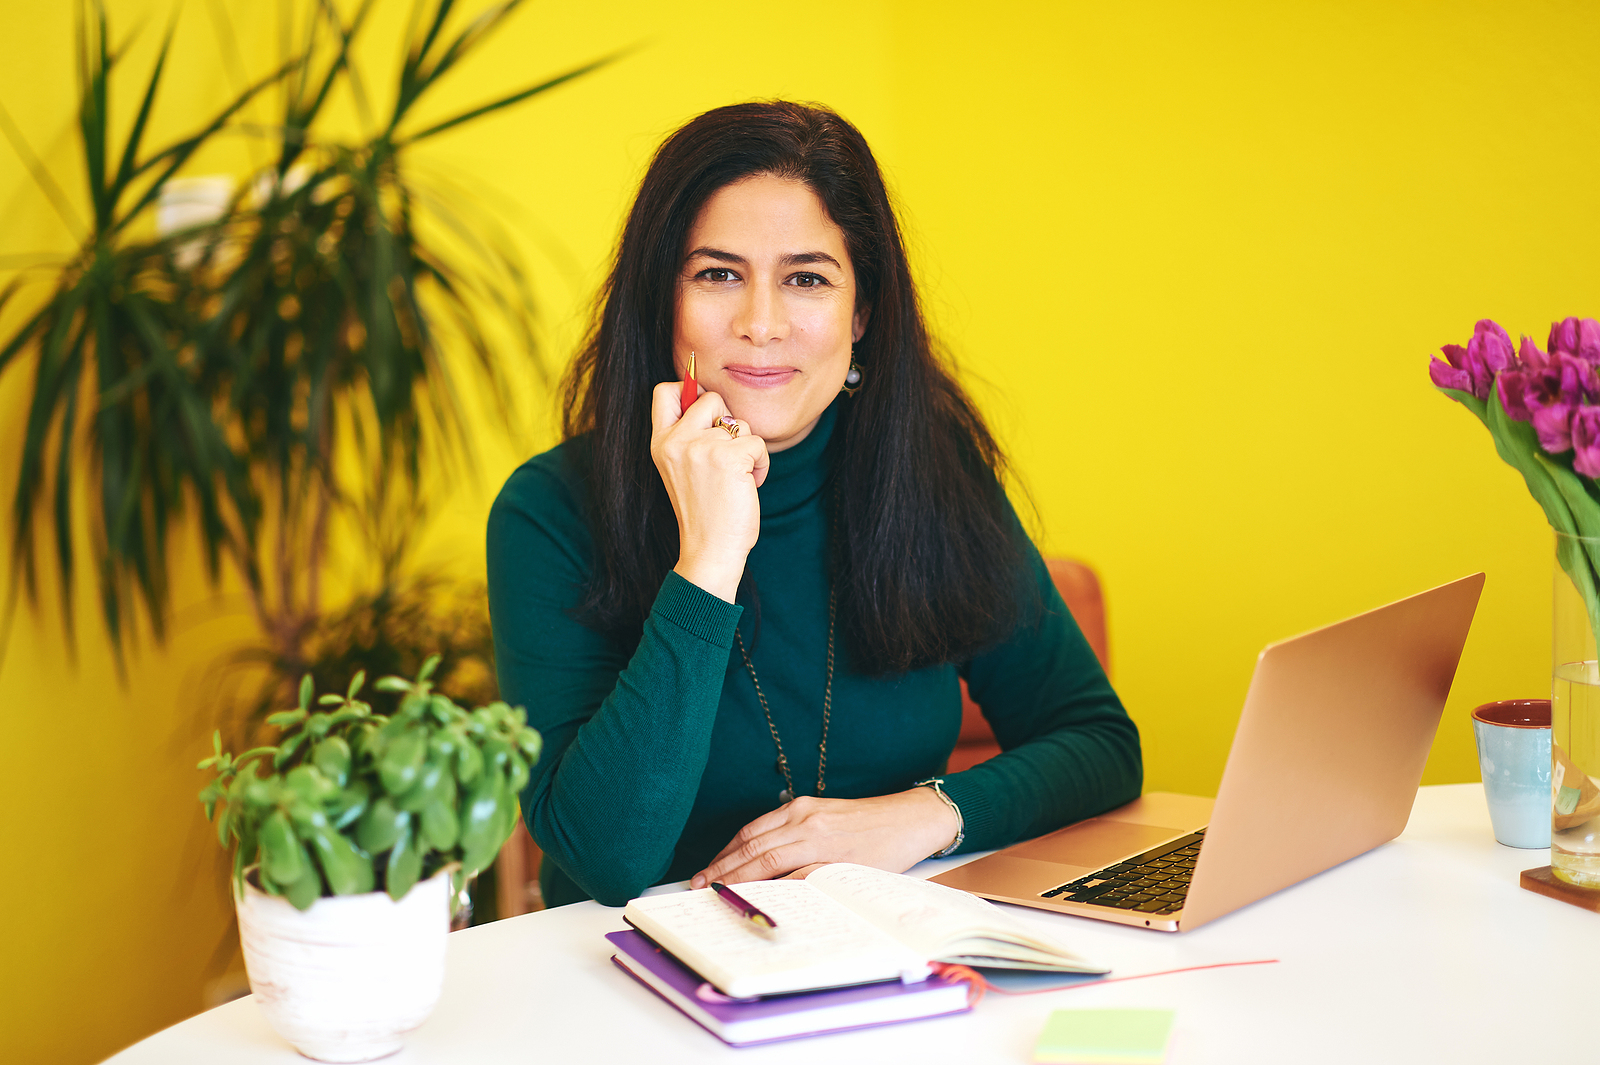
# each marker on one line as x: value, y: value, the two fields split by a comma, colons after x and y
x: 1324, y: 766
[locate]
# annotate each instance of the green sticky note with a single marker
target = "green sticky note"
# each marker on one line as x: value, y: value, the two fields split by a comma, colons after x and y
x: 1104, y: 1037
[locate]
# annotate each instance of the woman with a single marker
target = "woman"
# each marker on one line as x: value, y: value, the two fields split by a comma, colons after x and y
x: 738, y: 623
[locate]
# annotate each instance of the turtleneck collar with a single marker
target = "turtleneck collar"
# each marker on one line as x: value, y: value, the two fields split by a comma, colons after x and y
x: 798, y: 473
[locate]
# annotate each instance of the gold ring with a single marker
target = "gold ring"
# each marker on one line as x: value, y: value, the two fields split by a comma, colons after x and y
x: 728, y: 422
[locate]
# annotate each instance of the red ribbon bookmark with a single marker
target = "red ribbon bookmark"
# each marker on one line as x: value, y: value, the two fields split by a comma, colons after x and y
x: 977, y: 985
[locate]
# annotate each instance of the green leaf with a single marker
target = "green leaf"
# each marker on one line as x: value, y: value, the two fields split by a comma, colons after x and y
x: 444, y: 711
x: 428, y: 785
x: 305, y: 891
x: 405, y: 865
x: 331, y: 756
x: 441, y: 827
x: 130, y: 152
x: 1518, y: 445
x: 469, y: 762
x: 478, y: 822
x: 505, y: 819
x: 531, y: 744
x: 507, y: 101
x: 308, y: 785
x: 348, y: 870
x: 1584, y: 509
x: 517, y: 775
x: 1471, y: 402
x: 380, y: 826
x: 307, y: 689
x: 428, y: 667
x: 284, y: 719
x: 355, y: 684
x: 288, y: 749
x: 350, y: 804
x: 402, y: 761
x: 282, y: 856
x: 442, y: 746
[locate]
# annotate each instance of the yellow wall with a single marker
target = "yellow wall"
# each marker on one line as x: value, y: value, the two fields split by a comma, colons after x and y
x: 1192, y: 259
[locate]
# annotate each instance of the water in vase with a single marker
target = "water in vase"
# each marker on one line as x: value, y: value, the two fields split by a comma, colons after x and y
x: 1574, y: 766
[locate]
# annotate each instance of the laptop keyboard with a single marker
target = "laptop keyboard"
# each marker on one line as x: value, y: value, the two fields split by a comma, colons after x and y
x: 1153, y: 882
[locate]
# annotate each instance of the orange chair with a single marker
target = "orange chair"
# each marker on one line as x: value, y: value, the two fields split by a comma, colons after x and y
x: 517, y: 882
x: 1080, y: 588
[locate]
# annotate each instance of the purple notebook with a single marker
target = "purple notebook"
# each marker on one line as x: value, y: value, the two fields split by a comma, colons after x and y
x: 742, y: 1022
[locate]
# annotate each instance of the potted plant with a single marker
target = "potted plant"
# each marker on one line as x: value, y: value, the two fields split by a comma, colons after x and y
x: 272, y: 374
x: 347, y: 836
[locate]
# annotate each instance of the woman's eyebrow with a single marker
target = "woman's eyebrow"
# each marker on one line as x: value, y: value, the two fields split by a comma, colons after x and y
x: 717, y: 254
x: 799, y: 258
x: 805, y: 258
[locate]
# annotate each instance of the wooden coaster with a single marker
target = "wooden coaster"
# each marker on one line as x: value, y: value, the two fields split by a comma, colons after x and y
x: 1543, y: 882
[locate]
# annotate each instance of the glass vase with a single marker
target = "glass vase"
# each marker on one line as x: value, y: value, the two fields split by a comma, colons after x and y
x: 1575, y: 713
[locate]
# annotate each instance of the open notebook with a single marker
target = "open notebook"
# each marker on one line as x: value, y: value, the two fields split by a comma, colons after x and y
x: 842, y: 925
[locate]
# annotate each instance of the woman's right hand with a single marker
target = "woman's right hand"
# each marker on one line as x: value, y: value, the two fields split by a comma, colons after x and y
x: 711, y: 478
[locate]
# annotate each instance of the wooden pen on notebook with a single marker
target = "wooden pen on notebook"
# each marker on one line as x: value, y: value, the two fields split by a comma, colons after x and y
x: 744, y: 909
x: 691, y: 391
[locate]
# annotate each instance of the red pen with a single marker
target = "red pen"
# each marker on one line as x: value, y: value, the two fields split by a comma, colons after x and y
x: 744, y: 909
x: 691, y: 391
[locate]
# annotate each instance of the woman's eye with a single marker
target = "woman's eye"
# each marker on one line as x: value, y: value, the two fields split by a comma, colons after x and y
x: 808, y: 280
x: 716, y: 274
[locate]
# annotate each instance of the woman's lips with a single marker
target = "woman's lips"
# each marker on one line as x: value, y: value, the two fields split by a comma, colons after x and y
x: 761, y: 376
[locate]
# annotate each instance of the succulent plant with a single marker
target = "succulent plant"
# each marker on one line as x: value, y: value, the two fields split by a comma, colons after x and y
x: 353, y: 801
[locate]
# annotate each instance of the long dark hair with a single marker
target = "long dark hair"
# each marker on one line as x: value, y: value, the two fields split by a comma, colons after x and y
x: 927, y: 558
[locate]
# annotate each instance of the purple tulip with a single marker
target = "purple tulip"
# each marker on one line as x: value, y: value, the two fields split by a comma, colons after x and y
x: 1554, y: 426
x: 1513, y: 386
x: 1530, y: 356
x: 1563, y: 336
x: 1554, y: 394
x: 1515, y: 380
x: 1488, y: 352
x: 1444, y: 375
x: 1468, y: 369
x: 1586, y: 441
x: 1576, y: 336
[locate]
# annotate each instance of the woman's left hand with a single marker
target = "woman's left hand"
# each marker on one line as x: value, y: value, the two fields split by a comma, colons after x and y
x: 892, y: 832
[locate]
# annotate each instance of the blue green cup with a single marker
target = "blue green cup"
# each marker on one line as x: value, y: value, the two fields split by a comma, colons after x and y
x: 1514, y: 756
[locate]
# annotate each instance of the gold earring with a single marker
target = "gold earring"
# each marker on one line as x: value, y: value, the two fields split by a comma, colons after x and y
x: 852, y: 379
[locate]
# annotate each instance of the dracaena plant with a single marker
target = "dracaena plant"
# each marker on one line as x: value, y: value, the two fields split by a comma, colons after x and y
x: 283, y: 366
x: 350, y: 800
x: 106, y: 350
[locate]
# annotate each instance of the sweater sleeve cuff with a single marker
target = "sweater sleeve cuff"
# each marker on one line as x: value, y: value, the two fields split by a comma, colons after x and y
x: 978, y: 815
x: 696, y: 611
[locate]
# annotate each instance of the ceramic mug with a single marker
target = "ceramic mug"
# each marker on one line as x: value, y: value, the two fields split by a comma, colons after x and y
x: 1514, y: 755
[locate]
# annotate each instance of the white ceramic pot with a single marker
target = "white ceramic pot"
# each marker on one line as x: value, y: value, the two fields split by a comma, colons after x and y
x: 346, y: 979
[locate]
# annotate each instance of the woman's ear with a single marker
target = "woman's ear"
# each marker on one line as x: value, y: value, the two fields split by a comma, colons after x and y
x: 859, y: 325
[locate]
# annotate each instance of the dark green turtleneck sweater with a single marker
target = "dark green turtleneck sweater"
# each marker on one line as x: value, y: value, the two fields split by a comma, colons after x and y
x: 656, y: 755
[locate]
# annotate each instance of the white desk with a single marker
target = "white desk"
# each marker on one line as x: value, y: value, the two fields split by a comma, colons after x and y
x: 1423, y: 950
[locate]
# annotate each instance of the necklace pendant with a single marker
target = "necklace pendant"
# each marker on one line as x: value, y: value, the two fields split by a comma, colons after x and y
x: 786, y: 796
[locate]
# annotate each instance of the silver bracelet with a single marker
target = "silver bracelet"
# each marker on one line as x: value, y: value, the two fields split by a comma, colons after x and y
x: 937, y: 784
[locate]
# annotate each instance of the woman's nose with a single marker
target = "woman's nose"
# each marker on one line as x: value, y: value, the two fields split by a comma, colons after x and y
x: 763, y: 317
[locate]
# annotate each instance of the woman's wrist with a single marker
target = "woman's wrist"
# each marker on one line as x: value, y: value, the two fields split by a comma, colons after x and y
x: 719, y: 579
x: 943, y: 818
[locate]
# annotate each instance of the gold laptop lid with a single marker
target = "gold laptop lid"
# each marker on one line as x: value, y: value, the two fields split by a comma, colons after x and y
x: 1324, y: 766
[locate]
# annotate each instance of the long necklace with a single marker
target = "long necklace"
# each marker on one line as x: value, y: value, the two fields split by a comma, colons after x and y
x: 787, y: 794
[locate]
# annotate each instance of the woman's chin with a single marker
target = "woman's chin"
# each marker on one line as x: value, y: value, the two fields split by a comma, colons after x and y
x: 780, y: 424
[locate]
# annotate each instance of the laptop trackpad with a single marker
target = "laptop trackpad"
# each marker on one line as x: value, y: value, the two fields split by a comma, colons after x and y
x: 1094, y: 843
